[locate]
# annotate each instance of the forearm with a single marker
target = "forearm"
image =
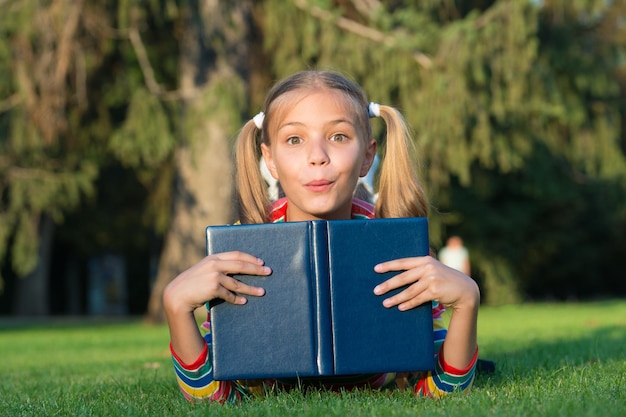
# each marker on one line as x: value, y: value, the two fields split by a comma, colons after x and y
x: 185, y: 337
x: 461, y: 341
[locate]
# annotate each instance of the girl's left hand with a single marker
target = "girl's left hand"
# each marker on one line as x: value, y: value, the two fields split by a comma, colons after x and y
x: 427, y: 280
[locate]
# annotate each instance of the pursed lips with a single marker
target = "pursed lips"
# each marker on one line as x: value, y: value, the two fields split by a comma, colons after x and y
x: 318, y: 185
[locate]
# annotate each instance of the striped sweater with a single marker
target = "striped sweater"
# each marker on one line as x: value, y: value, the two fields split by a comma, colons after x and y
x: 196, y: 379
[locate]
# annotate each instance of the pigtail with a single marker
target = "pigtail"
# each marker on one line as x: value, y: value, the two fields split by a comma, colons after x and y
x: 253, y: 198
x: 400, y: 193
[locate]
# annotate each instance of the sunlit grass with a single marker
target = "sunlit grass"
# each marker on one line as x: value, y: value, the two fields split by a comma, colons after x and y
x: 551, y: 359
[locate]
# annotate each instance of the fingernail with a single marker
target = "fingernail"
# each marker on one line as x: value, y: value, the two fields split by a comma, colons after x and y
x: 377, y: 290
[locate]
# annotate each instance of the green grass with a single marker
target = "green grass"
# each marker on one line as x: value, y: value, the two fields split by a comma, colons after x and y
x: 552, y: 360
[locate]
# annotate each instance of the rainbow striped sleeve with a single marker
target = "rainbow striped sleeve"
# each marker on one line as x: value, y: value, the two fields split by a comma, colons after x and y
x: 196, y: 380
x: 445, y: 379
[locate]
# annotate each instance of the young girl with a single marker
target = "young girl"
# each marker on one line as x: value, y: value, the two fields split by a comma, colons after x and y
x: 316, y: 140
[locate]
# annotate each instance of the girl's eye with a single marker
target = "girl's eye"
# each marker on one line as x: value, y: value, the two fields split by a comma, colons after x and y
x: 294, y: 140
x: 338, y: 137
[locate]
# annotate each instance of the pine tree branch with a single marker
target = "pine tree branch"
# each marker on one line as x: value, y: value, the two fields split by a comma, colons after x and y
x: 5, y: 1
x: 9, y: 103
x: 66, y: 41
x: 148, y: 72
x: 144, y: 61
x: 366, y: 7
x: 81, y: 79
x: 358, y: 29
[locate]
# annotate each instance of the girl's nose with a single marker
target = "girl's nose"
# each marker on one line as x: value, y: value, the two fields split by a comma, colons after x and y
x: 318, y: 152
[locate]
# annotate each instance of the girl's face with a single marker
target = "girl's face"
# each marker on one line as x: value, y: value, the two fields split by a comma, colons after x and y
x: 318, y: 153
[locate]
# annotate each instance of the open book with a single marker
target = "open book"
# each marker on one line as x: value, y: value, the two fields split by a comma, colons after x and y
x: 319, y: 315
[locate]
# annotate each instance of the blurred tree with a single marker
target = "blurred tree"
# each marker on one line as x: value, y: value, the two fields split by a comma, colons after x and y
x: 70, y: 77
x: 517, y: 108
x: 212, y: 69
x: 43, y: 69
x: 497, y: 91
x: 457, y: 70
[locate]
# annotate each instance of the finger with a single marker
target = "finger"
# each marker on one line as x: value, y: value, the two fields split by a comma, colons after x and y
x: 236, y: 286
x: 229, y: 296
x: 232, y: 290
x: 406, y: 301
x: 238, y: 256
x: 240, y: 267
x: 414, y: 302
x: 408, y: 298
x: 397, y: 281
x: 401, y: 264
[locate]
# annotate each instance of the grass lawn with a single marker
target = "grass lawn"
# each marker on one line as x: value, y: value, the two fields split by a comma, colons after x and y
x: 552, y: 360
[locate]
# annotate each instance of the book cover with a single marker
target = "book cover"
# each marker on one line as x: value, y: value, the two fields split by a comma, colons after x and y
x: 319, y: 315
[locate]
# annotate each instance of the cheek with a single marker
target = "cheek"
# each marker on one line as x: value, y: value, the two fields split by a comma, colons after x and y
x: 286, y: 165
x: 353, y: 163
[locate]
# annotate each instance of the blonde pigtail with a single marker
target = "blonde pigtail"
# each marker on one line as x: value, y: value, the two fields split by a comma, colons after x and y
x: 400, y: 193
x: 253, y: 198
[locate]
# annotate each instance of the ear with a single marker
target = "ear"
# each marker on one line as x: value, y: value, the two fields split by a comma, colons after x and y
x: 370, y: 153
x: 269, y: 160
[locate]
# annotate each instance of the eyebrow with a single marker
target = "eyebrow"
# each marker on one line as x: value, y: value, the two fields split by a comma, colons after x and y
x: 330, y: 123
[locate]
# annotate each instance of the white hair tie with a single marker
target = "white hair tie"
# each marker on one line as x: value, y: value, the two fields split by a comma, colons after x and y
x: 258, y: 120
x: 374, y: 109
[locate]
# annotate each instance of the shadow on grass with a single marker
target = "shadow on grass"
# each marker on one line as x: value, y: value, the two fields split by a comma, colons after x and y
x: 599, y: 346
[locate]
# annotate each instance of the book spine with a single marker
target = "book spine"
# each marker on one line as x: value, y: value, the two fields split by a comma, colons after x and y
x: 320, y: 266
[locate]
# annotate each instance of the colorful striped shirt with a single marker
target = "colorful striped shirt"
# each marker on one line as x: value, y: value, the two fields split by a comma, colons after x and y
x: 196, y: 379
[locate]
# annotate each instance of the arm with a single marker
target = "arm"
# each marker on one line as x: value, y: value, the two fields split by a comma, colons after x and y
x: 205, y: 281
x: 196, y: 382
x: 444, y: 378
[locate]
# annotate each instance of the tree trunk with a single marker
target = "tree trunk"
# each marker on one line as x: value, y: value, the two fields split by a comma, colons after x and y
x: 31, y: 292
x: 204, y: 178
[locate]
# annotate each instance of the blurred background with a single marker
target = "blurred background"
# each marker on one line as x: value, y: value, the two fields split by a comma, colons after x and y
x: 117, y: 120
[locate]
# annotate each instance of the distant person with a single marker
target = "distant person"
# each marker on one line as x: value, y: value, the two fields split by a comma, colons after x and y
x: 455, y: 255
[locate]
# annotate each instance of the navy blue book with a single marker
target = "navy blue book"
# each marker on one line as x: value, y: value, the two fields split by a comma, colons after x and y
x: 319, y: 315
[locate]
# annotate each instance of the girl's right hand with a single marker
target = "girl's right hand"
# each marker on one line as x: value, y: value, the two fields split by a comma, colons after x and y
x: 211, y: 278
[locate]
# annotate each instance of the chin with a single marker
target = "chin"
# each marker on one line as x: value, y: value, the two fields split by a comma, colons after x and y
x: 330, y: 215
x: 327, y: 209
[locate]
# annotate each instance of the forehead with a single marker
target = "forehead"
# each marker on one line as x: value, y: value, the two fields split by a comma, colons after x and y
x: 311, y: 102
x: 307, y: 102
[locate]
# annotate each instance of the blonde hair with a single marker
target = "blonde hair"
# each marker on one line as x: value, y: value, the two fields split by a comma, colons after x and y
x: 400, y: 193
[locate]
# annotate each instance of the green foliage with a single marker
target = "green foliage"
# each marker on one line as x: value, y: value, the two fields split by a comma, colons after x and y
x: 562, y: 359
x: 498, y: 286
x: 34, y: 182
x: 39, y: 175
x: 502, y: 91
x: 33, y: 191
x: 560, y: 238
x: 224, y: 99
x: 516, y: 105
x: 50, y: 169
x: 145, y: 138
x: 475, y: 78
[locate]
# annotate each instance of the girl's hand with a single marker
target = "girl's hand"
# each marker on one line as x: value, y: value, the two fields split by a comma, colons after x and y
x: 427, y: 280
x: 210, y: 279
x: 430, y: 280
